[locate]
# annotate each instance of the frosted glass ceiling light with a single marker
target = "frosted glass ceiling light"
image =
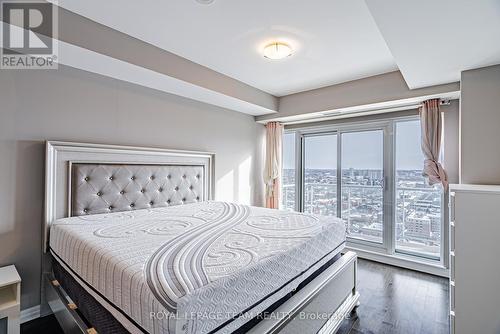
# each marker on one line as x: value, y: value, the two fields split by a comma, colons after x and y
x: 277, y: 50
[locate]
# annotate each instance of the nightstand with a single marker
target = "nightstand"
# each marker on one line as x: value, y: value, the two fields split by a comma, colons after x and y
x: 10, y: 298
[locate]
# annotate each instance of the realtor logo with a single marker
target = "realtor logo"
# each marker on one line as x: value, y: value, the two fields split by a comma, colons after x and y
x: 28, y: 35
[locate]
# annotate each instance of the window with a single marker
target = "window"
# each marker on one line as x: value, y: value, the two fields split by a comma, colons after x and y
x: 418, y: 206
x: 370, y: 175
x: 362, y: 184
x: 288, y: 172
x: 320, y: 174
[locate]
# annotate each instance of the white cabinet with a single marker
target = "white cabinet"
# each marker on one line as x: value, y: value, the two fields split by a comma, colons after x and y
x: 10, y: 295
x: 474, y: 259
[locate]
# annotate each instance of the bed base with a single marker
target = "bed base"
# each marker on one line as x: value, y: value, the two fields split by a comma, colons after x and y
x: 318, y: 308
x: 63, y: 308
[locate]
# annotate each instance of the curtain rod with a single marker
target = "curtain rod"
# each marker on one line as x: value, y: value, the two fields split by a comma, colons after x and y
x: 331, y: 115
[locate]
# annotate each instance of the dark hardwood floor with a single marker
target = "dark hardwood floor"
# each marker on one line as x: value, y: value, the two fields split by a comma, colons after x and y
x: 43, y: 325
x: 393, y: 300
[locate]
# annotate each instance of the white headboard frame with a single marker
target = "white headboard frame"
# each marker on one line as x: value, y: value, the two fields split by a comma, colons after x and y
x: 61, y: 155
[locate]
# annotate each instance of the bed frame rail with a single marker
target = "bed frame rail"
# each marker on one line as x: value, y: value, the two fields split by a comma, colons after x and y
x: 63, y: 308
x: 321, y: 306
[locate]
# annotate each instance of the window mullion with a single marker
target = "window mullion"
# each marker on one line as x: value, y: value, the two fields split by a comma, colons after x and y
x: 389, y: 192
x: 299, y: 172
x: 339, y: 174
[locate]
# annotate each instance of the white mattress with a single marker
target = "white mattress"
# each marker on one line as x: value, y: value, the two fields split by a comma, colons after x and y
x: 194, y: 268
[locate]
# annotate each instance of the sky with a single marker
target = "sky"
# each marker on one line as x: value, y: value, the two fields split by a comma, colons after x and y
x: 361, y: 150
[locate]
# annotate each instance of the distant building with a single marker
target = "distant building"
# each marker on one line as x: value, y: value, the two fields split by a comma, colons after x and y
x: 418, y: 226
x: 418, y: 209
x: 373, y: 229
x: 422, y: 205
x: 435, y: 224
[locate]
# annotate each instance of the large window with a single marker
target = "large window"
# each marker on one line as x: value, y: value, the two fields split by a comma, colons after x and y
x: 362, y: 184
x: 418, y: 206
x: 320, y: 174
x: 370, y: 175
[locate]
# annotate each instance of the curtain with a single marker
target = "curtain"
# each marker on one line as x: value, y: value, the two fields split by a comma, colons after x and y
x: 432, y: 125
x: 272, y: 169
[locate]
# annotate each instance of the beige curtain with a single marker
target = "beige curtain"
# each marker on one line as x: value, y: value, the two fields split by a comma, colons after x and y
x: 432, y: 126
x: 272, y: 170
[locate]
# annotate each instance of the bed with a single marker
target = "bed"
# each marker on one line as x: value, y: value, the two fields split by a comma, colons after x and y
x: 134, y: 243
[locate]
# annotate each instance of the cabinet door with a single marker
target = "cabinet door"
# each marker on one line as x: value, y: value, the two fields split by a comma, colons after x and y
x: 477, y: 269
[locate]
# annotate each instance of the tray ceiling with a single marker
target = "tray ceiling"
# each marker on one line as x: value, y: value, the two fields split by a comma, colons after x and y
x: 333, y: 41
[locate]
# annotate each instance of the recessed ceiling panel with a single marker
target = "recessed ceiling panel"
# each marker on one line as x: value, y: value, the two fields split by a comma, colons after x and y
x: 434, y: 40
x: 333, y: 40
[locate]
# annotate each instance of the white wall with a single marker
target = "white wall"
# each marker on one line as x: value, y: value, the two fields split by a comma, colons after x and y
x: 480, y: 126
x: 73, y: 105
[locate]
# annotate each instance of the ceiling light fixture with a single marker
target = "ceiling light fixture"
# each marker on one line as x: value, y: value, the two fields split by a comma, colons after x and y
x: 205, y: 2
x: 277, y: 50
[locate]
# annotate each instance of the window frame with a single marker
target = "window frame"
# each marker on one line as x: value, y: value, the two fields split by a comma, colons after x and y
x: 388, y: 126
x: 297, y: 172
x: 385, y: 189
x: 443, y: 251
x: 303, y: 136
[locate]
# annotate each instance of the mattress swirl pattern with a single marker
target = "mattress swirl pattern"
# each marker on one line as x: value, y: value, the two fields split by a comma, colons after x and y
x: 176, y: 268
x: 191, y: 260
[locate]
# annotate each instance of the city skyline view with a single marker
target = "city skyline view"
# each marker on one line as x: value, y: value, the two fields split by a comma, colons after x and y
x: 418, y: 206
x: 417, y: 214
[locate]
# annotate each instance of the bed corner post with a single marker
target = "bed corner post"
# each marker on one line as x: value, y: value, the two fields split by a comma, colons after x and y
x: 50, y: 156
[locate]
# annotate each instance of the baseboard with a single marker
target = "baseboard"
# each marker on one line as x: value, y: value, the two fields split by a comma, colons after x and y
x: 402, y: 262
x: 30, y: 313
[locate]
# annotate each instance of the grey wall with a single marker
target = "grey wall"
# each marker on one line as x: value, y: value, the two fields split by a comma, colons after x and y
x: 480, y: 126
x: 73, y: 105
x: 360, y: 119
x: 451, y: 140
x: 381, y: 88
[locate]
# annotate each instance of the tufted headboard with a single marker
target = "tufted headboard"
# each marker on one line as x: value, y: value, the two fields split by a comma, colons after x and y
x: 103, y: 188
x: 85, y: 179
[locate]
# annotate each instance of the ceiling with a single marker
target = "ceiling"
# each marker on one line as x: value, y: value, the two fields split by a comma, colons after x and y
x: 334, y: 40
x: 432, y: 41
